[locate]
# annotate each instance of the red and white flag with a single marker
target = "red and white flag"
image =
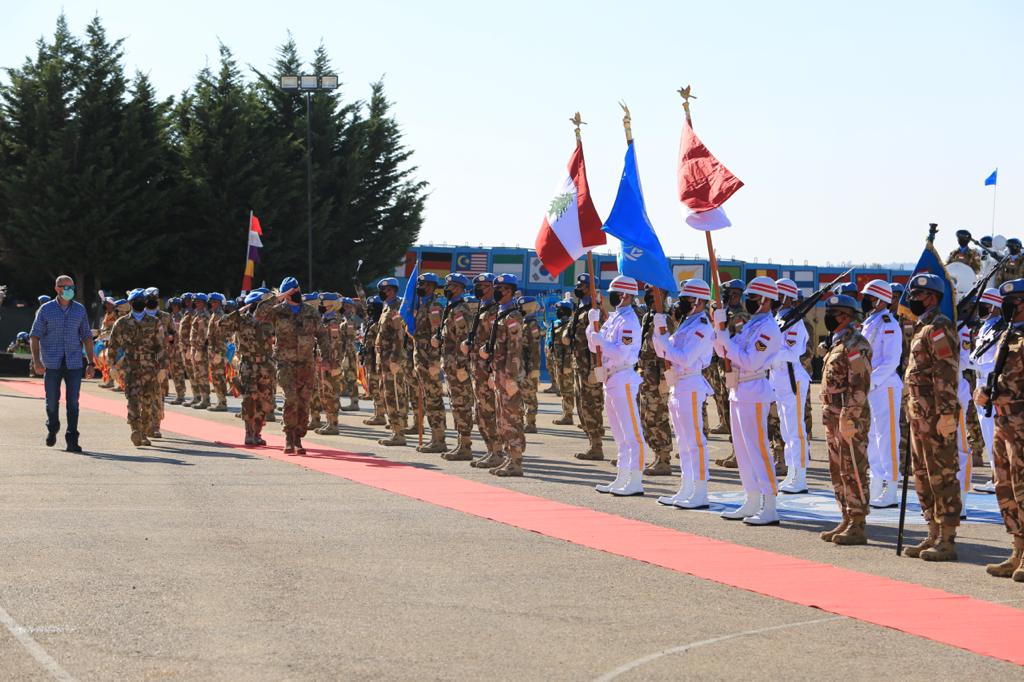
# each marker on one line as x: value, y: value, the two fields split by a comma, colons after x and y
x: 571, y: 227
x: 704, y: 183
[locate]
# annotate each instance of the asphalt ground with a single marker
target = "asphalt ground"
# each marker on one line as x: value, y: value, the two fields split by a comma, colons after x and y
x: 190, y: 560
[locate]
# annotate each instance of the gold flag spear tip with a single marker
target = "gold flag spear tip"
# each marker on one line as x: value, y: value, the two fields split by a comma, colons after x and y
x: 627, y: 121
x: 685, y: 94
x: 577, y: 121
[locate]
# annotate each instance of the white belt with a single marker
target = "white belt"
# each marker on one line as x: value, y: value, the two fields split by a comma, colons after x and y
x: 685, y: 375
x: 609, y: 372
x: 753, y: 376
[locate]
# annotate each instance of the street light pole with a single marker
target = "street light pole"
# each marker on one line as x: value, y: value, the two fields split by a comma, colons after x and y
x: 308, y: 85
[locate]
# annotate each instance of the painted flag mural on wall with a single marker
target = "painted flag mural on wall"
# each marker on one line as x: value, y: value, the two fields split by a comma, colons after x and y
x: 539, y: 274
x: 685, y: 272
x: 570, y: 273
x: 864, y: 277
x: 471, y: 262
x: 608, y: 270
x: 505, y: 263
x: 253, y: 251
x: 440, y: 263
x: 804, y: 279
x: 762, y: 272
x: 571, y: 226
x: 704, y: 183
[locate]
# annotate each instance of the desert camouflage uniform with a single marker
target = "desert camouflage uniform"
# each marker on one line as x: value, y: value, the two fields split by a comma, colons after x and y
x: 349, y: 362
x: 532, y: 338
x: 653, y: 398
x: 178, y: 374
x: 330, y: 354
x: 486, y: 418
x: 296, y: 338
x: 455, y: 326
x: 256, y: 366
x: 427, y: 361
x: 166, y: 329
x: 908, y: 334
x: 217, y: 356
x: 589, y: 390
x: 966, y: 255
x: 549, y: 355
x: 807, y: 360
x: 143, y: 356
x: 371, y: 368
x: 200, y: 358
x: 185, y: 350
x: 390, y: 347
x: 507, y: 362
x: 846, y: 379
x: 1012, y: 268
x: 932, y: 377
x: 562, y: 351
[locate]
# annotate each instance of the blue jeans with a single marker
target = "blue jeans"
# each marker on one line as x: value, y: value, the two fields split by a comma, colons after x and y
x: 72, y: 379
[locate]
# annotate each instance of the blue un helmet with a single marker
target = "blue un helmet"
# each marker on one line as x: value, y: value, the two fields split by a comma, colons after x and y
x: 429, y: 277
x: 507, y: 280
x: 174, y: 300
x: 846, y: 288
x: 187, y: 297
x: 217, y: 297
x: 374, y: 307
x: 136, y: 295
x: 458, y: 278
x: 527, y: 304
x: 287, y: 284
x: 387, y: 282
x: 563, y: 308
x: 200, y: 298
x: 927, y: 282
x: 253, y: 297
x: 734, y: 284
x: 897, y: 290
x: 837, y: 301
x: 1013, y: 287
x: 484, y: 278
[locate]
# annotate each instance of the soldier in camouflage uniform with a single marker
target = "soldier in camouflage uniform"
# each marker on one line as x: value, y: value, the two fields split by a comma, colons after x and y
x: 589, y: 389
x: 965, y: 254
x: 653, y: 391
x: 297, y: 333
x: 371, y: 365
x: 315, y: 407
x: 256, y: 367
x: 427, y: 359
x: 549, y: 356
x: 846, y: 378
x: 329, y: 358
x: 184, y: 342
x: 458, y: 367
x: 217, y: 352
x: 737, y: 316
x: 350, y: 324
x: 1013, y: 267
x: 390, y: 348
x: 178, y: 375
x: 483, y: 392
x: 166, y: 334
x: 532, y: 338
x: 200, y: 359
x: 1006, y: 396
x: 561, y: 351
x: 138, y: 335
x: 931, y: 379
x: 503, y: 351
x: 908, y: 333
x: 806, y: 360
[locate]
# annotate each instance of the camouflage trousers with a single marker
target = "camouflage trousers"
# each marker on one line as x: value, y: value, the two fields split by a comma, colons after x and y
x: 349, y: 377
x: 460, y: 392
x: 486, y: 406
x: 297, y: 380
x: 904, y: 429
x: 975, y: 438
x: 428, y: 376
x: 566, y: 390
x: 654, y: 419
x: 190, y: 371
x: 201, y: 372
x: 141, y: 389
x: 530, y: 386
x: 775, y: 434
x: 590, y: 402
x: 1008, y: 465
x: 330, y: 393
x: 396, y: 395
x: 848, y: 462
x: 935, y: 462
x: 549, y: 359
x: 315, y: 406
x: 715, y: 374
x: 509, y: 419
x: 178, y: 374
x: 256, y: 383
x: 373, y: 379
x: 218, y: 374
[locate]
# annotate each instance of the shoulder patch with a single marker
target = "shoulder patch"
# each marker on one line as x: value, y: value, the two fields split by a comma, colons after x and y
x: 886, y: 318
x: 760, y: 345
x: 698, y: 334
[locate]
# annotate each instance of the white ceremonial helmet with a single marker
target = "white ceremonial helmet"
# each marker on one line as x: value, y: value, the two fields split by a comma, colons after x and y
x: 992, y: 297
x: 696, y: 288
x: 624, y: 285
x: 880, y: 289
x: 762, y: 286
x: 788, y: 288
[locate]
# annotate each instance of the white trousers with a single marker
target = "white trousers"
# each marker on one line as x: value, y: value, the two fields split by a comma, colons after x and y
x: 624, y: 415
x: 884, y: 435
x: 988, y: 425
x: 750, y: 439
x: 963, y: 475
x: 684, y: 407
x: 791, y: 423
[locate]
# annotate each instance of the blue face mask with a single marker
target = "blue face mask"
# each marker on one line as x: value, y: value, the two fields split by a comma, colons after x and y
x: 138, y: 316
x: 151, y: 312
x: 68, y: 294
x: 295, y: 308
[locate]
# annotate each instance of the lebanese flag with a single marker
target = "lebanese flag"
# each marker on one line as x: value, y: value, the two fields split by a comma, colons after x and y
x: 571, y: 227
x: 704, y: 183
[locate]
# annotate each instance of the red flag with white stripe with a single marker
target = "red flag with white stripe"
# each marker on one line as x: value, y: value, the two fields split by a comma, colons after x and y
x: 571, y: 227
x: 704, y: 183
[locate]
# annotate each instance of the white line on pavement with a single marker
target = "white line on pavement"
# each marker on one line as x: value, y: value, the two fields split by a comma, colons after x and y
x: 32, y: 646
x: 632, y: 665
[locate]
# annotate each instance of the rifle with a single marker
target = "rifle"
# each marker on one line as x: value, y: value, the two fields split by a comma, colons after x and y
x: 966, y: 308
x: 991, y: 386
x: 981, y: 350
x: 800, y: 310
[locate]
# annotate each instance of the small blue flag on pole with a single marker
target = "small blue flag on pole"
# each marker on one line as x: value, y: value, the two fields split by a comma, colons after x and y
x: 641, y: 256
x: 991, y: 180
x: 408, y: 309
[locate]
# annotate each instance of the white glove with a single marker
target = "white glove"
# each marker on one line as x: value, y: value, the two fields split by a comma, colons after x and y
x: 660, y: 320
x: 594, y: 315
x: 720, y: 316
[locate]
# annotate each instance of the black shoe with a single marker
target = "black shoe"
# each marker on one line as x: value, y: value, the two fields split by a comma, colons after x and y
x: 51, y: 439
x: 73, y: 446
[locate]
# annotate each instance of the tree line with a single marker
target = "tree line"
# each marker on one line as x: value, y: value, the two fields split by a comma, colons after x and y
x: 102, y: 179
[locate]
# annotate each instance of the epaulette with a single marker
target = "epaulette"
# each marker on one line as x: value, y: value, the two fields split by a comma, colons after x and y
x: 886, y: 318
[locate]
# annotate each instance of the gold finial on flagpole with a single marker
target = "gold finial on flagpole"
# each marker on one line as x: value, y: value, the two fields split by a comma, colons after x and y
x: 685, y: 94
x: 626, y: 121
x: 577, y: 121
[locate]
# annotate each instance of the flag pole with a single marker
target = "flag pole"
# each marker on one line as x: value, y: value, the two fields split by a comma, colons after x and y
x: 995, y: 186
x: 577, y: 121
x: 248, y: 229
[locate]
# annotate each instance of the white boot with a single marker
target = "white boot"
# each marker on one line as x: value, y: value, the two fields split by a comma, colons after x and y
x: 797, y: 481
x: 767, y: 516
x: 889, y: 497
x: 788, y: 480
x: 875, y: 487
x: 620, y: 478
x: 750, y: 506
x: 685, y: 488
x: 634, y: 485
x: 987, y: 487
x: 698, y: 499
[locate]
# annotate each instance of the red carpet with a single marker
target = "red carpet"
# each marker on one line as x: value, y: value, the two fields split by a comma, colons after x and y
x: 971, y: 624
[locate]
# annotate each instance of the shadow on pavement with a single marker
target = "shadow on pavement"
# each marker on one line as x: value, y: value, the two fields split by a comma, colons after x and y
x: 111, y: 457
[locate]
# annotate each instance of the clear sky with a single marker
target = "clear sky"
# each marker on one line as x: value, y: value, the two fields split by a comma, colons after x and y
x: 853, y: 125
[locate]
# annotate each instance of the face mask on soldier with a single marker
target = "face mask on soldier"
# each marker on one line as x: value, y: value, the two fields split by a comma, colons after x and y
x: 753, y: 304
x: 681, y: 309
x: 984, y: 310
x: 138, y: 305
x: 615, y: 298
x: 478, y: 291
x: 867, y: 304
x: 297, y: 297
x: 1009, y: 310
x: 421, y: 291
x: 649, y: 298
x: 831, y: 322
x: 152, y: 303
x: 916, y: 306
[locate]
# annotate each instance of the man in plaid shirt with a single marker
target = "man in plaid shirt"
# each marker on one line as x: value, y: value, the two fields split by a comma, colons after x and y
x: 60, y: 331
